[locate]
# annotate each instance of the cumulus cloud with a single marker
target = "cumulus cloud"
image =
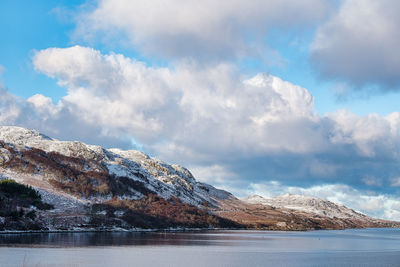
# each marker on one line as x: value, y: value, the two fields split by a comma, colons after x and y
x: 206, y: 31
x: 215, y: 120
x: 44, y: 105
x: 361, y: 44
x: 206, y: 108
x: 371, y: 134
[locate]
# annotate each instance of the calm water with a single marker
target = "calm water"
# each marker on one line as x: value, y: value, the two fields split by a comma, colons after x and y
x: 367, y: 247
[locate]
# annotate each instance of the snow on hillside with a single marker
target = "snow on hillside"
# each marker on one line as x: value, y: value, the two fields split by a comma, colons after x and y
x: 164, y: 179
x: 306, y: 204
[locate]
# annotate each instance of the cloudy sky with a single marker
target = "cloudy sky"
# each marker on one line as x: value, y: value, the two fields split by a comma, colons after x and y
x: 257, y: 97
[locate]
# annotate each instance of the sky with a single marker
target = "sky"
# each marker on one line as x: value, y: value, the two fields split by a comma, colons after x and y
x: 255, y: 97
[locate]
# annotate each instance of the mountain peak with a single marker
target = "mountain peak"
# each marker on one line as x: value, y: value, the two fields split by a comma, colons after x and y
x: 20, y: 135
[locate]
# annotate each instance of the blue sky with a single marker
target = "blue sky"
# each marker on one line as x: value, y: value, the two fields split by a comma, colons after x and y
x: 26, y: 27
x: 223, y: 88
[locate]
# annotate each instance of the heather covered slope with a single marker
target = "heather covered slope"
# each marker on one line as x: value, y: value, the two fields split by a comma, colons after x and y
x: 90, y: 187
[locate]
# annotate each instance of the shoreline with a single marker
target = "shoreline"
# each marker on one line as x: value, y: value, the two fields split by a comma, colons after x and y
x: 138, y: 230
x: 171, y: 230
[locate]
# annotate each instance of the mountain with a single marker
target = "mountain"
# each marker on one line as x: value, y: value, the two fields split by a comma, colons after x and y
x: 307, y: 204
x: 81, y: 187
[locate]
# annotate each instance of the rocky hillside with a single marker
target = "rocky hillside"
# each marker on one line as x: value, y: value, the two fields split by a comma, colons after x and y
x: 298, y: 212
x: 92, y: 187
x: 307, y: 204
x: 65, y: 164
x: 89, y: 187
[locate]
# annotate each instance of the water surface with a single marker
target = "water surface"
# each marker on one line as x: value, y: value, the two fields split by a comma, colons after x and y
x: 364, y: 247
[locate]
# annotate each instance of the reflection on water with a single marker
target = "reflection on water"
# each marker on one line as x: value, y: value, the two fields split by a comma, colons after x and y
x: 366, y: 247
x: 88, y: 239
x: 362, y: 239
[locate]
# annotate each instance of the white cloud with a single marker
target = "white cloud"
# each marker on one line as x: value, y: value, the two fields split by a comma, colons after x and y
x: 200, y: 109
x: 44, y: 105
x: 206, y: 30
x: 361, y: 43
x: 371, y: 134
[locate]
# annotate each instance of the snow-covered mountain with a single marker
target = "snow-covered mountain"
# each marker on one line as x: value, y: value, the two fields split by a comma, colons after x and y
x: 89, y: 187
x: 307, y: 204
x: 163, y: 179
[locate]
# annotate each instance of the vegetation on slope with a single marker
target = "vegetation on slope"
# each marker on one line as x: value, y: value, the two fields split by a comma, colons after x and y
x: 18, y: 205
x: 80, y: 177
x: 155, y: 212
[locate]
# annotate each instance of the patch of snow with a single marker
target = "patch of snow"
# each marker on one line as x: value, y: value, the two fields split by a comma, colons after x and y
x: 103, y: 212
x: 119, y: 213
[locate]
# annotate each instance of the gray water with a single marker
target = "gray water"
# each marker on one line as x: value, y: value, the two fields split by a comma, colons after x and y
x: 364, y: 247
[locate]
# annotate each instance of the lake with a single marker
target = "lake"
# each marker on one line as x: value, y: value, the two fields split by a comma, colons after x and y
x: 361, y: 247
